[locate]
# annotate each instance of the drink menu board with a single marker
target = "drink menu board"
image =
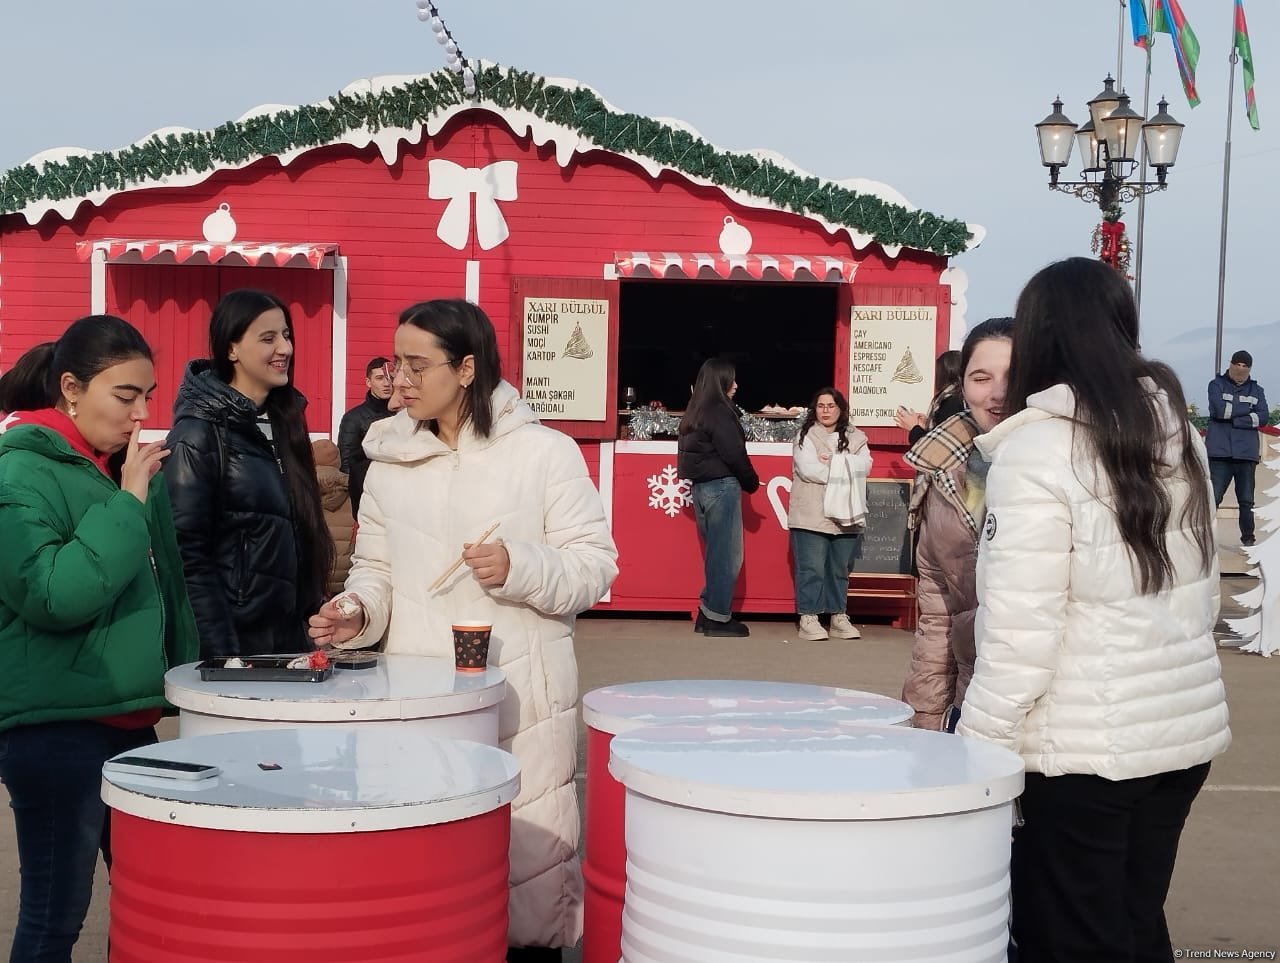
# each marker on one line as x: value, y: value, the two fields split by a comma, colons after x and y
x: 891, y: 355
x: 564, y: 354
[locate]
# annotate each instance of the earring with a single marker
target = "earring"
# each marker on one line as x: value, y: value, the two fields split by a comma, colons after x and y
x: 71, y: 408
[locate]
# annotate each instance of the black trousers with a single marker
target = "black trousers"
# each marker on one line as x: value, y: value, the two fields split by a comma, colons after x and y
x: 1092, y: 864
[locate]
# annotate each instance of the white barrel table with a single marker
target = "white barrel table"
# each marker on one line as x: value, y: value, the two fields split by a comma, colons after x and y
x: 418, y: 692
x: 331, y: 844
x: 762, y: 842
x: 615, y: 709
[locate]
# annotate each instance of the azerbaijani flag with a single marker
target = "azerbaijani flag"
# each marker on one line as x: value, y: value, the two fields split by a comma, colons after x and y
x: 1141, y: 28
x: 1246, y: 58
x: 1169, y: 19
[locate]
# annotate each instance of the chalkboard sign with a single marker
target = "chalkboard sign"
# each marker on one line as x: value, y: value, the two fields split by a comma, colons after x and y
x: 885, y: 546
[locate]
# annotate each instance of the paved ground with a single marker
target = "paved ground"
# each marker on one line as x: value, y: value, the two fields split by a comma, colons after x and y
x: 1224, y: 891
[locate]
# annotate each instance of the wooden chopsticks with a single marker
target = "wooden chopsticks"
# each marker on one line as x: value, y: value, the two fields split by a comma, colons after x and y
x: 454, y: 567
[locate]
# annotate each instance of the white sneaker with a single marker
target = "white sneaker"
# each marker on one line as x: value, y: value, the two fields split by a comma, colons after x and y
x: 811, y: 629
x: 842, y: 628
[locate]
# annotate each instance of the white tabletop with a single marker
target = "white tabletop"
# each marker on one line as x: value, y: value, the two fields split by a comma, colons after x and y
x: 796, y: 771
x: 331, y: 780
x: 620, y: 708
x: 398, y: 687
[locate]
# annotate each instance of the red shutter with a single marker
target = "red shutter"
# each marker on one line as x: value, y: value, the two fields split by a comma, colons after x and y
x: 171, y: 305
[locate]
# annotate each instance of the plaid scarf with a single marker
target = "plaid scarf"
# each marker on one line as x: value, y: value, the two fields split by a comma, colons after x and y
x: 936, y: 456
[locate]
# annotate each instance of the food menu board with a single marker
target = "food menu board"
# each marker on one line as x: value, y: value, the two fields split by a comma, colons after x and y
x: 564, y: 355
x: 891, y: 355
x: 885, y: 545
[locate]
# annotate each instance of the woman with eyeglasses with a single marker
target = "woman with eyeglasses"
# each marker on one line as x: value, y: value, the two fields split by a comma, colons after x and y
x: 822, y: 547
x: 464, y: 454
x: 242, y: 478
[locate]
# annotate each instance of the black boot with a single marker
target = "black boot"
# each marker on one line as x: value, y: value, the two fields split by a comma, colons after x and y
x: 732, y: 629
x: 534, y: 954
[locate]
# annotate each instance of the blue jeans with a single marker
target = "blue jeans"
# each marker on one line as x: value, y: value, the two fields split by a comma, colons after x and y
x: 822, y: 566
x: 53, y: 773
x: 1223, y: 471
x: 717, y: 508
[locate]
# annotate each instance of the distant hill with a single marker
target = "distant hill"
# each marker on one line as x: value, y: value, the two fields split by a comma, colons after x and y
x: 1191, y: 355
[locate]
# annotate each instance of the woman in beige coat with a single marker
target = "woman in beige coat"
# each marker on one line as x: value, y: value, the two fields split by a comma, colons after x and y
x: 467, y: 452
x: 822, y: 548
x: 947, y: 508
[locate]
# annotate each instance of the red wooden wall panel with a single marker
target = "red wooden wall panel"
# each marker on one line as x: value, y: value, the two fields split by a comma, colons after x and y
x: 564, y: 223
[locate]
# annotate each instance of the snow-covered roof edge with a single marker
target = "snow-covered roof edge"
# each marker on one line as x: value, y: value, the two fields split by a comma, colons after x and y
x: 571, y: 116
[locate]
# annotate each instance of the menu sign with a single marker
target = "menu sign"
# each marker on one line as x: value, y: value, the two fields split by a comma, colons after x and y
x: 565, y: 358
x: 891, y: 355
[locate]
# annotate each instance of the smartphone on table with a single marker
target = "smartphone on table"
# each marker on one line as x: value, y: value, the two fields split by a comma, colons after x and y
x: 164, y: 768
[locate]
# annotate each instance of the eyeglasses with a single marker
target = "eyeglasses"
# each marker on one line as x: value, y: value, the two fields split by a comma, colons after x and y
x: 414, y: 370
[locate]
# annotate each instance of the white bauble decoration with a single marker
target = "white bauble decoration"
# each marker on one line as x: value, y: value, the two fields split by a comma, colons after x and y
x: 735, y: 240
x: 220, y: 227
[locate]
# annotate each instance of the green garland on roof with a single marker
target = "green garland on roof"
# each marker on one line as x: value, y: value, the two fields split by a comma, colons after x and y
x: 411, y: 104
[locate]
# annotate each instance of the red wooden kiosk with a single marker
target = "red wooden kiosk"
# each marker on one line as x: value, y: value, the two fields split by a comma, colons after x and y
x: 612, y: 251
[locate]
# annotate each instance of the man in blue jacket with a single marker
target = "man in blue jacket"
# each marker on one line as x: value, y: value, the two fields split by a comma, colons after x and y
x: 1237, y: 409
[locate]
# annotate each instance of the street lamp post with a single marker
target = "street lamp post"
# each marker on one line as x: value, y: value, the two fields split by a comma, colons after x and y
x: 1108, y: 147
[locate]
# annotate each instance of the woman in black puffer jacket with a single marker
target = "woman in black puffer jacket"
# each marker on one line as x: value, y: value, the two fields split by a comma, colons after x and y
x: 242, y: 481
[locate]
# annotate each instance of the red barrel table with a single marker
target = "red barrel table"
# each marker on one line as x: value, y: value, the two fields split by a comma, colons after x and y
x: 621, y: 708
x: 318, y: 844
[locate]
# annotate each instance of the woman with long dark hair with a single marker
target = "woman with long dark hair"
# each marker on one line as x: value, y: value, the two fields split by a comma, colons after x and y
x: 463, y: 454
x: 243, y: 482
x: 822, y: 546
x: 93, y: 608
x: 946, y: 514
x: 1098, y: 581
x: 712, y: 453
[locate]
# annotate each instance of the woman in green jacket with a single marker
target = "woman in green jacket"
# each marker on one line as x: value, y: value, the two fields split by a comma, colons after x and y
x: 93, y: 607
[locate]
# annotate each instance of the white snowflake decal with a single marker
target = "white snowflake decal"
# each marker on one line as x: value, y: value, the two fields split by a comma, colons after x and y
x: 668, y: 492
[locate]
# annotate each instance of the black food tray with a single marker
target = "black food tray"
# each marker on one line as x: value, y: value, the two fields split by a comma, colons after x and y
x: 261, y: 668
x: 352, y: 658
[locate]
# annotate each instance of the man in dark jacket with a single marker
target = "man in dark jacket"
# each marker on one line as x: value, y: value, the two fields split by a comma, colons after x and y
x: 355, y: 424
x: 1237, y: 409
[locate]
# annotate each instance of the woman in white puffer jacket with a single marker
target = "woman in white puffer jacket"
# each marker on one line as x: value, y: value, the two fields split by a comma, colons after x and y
x: 1098, y: 594
x: 464, y: 453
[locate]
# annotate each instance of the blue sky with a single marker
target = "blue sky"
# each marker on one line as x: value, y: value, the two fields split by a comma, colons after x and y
x: 936, y: 99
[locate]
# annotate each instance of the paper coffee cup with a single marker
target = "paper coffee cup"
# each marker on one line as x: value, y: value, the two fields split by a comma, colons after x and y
x: 471, y: 645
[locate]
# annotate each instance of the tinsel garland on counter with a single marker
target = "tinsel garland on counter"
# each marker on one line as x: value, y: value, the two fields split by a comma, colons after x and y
x: 649, y: 423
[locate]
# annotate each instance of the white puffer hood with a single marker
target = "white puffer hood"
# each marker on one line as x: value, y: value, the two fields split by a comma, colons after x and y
x: 1059, y: 401
x: 402, y: 440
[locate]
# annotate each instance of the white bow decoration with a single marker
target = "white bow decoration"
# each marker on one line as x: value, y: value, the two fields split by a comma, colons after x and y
x: 450, y: 182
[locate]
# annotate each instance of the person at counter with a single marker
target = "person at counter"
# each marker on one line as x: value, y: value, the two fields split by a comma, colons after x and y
x: 822, y: 546
x: 465, y: 453
x: 712, y: 451
x: 242, y: 477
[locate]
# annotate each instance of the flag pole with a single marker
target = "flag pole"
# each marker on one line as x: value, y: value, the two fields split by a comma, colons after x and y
x: 1142, y: 198
x: 1120, y: 47
x: 1226, y: 195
